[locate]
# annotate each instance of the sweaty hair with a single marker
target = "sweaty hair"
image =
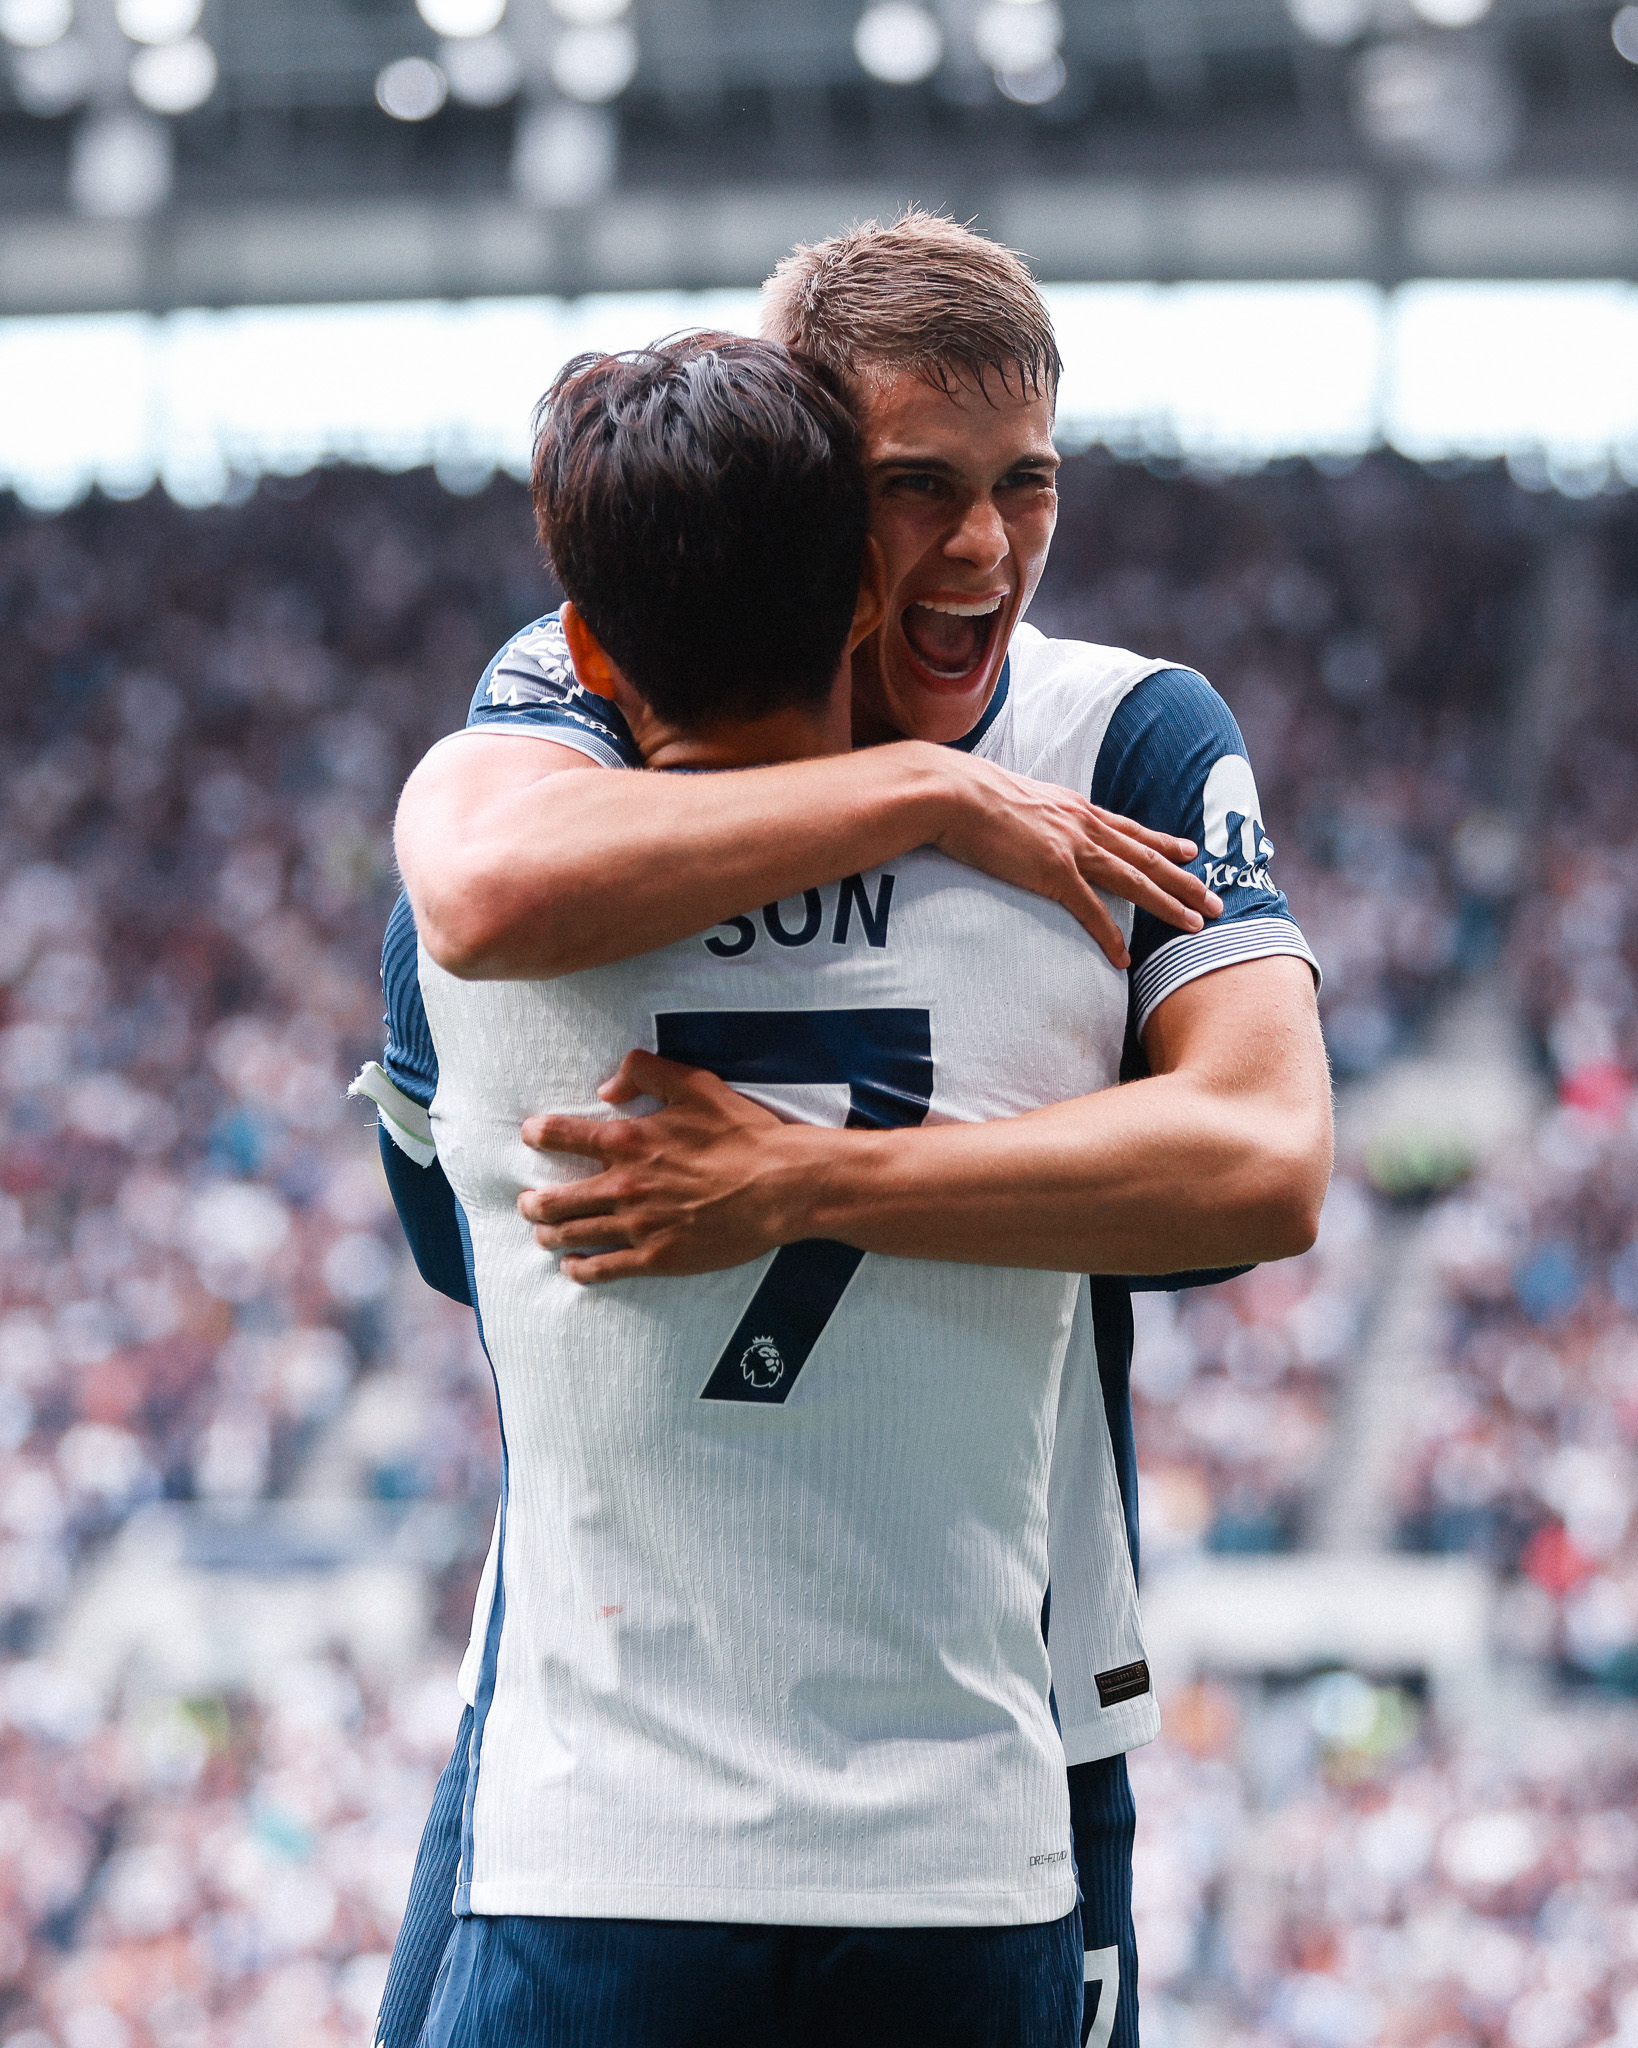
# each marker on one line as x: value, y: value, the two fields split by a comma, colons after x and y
x: 925, y: 295
x: 703, y: 504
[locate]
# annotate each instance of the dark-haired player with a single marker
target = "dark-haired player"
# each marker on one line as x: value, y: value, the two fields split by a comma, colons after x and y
x: 762, y: 1751
x: 1217, y: 1159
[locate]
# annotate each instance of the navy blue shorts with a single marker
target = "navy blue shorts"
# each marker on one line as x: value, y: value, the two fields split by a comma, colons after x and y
x: 1101, y: 1811
x: 1102, y: 1821
x: 526, y: 1981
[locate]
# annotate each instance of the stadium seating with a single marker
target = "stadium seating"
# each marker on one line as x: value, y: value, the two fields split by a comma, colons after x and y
x: 205, y: 1305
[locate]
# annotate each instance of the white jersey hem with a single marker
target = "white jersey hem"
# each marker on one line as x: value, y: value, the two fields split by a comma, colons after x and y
x: 746, y: 1906
x: 1113, y: 1733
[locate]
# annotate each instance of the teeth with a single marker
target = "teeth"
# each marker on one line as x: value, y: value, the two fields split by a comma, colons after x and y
x: 973, y: 608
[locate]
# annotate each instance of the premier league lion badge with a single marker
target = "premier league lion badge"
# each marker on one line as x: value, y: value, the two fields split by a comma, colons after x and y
x: 762, y: 1363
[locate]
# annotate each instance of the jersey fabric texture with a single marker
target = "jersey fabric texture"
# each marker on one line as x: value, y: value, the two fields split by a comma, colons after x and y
x: 566, y: 1983
x: 762, y: 1637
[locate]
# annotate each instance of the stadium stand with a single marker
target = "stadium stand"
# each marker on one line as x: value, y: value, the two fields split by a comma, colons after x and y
x: 1525, y: 1452
x: 1324, y: 1866
x: 208, y: 1322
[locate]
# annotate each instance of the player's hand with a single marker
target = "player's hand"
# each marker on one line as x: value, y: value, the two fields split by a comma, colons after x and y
x: 700, y: 1185
x: 1054, y: 843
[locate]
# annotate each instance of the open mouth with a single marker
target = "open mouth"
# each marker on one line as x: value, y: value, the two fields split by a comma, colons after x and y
x: 949, y: 638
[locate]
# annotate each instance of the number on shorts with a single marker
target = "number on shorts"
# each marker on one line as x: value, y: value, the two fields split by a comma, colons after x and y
x: 1103, y: 1980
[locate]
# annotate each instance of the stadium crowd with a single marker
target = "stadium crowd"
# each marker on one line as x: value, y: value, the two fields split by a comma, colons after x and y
x: 206, y: 721
x: 202, y: 1288
x: 1527, y: 1448
x: 1332, y: 1866
x: 1234, y: 1391
x: 1362, y: 627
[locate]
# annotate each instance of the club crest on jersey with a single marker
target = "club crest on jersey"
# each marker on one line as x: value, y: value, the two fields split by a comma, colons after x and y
x: 762, y: 1362
x: 534, y: 667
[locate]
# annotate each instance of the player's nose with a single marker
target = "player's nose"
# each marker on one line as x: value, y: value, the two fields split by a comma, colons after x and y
x: 981, y: 537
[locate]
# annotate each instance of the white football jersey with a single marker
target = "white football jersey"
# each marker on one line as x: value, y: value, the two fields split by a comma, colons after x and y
x: 760, y: 1636
x: 1050, y: 725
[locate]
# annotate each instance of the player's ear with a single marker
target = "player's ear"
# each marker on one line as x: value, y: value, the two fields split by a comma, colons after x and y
x: 871, y: 608
x: 591, y: 665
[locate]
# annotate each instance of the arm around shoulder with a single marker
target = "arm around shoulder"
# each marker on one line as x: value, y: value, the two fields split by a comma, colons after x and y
x: 517, y: 868
x: 474, y: 836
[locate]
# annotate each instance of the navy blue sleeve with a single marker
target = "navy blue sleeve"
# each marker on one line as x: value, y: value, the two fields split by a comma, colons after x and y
x: 1173, y: 759
x: 410, y: 1058
x: 422, y: 1195
x: 531, y: 687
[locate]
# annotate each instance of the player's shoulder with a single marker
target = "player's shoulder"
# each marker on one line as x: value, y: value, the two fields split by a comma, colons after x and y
x: 531, y: 687
x: 1062, y: 695
x: 1170, y: 704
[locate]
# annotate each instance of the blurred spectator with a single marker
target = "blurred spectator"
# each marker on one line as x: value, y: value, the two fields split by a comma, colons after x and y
x: 1233, y: 1392
x: 202, y: 1286
x: 209, y: 1871
x: 206, y: 722
x: 1527, y: 1450
x: 1524, y: 1449
x: 1323, y: 1867
x: 1361, y: 628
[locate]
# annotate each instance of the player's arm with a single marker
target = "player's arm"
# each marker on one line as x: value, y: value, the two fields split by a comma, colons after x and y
x: 1219, y: 1158
x: 522, y: 862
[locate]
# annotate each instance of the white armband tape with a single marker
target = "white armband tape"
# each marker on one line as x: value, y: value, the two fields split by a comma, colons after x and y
x: 402, y: 1117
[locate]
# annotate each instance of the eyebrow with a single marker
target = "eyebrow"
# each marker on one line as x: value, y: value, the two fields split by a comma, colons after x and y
x: 937, y: 464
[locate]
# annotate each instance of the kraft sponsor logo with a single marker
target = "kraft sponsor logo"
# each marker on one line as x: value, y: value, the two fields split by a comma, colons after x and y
x: 1232, y: 828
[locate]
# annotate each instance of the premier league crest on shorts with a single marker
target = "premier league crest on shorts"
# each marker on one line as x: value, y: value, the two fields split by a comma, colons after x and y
x: 762, y: 1363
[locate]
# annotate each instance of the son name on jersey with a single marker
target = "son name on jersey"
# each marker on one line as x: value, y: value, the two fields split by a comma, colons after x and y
x: 818, y: 910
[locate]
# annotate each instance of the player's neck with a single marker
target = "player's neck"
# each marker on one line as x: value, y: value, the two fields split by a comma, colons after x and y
x: 790, y: 735
x: 756, y: 743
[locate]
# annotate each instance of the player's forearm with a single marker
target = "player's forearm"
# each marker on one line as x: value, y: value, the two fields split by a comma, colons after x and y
x: 578, y: 870
x: 1158, y: 1176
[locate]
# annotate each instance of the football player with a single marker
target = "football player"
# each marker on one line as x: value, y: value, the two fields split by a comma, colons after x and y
x: 1216, y: 1159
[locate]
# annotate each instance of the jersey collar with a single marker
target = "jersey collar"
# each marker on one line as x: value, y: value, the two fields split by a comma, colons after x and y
x: 992, y: 711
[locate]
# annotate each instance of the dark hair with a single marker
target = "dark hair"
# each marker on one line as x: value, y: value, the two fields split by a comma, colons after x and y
x: 703, y: 504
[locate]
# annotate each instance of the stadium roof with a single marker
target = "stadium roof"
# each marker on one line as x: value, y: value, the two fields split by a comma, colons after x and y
x: 157, y: 153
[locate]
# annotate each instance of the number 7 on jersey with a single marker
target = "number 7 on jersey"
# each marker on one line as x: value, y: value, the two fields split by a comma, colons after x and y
x: 885, y: 1057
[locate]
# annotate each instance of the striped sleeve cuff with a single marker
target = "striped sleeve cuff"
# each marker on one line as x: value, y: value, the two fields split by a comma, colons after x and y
x: 402, y: 1117
x: 1187, y: 957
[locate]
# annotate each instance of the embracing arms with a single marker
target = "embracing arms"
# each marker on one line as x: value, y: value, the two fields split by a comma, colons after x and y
x: 1220, y: 1158
x: 523, y: 859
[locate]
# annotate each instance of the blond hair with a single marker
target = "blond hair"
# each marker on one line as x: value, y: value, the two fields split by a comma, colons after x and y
x: 924, y: 294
